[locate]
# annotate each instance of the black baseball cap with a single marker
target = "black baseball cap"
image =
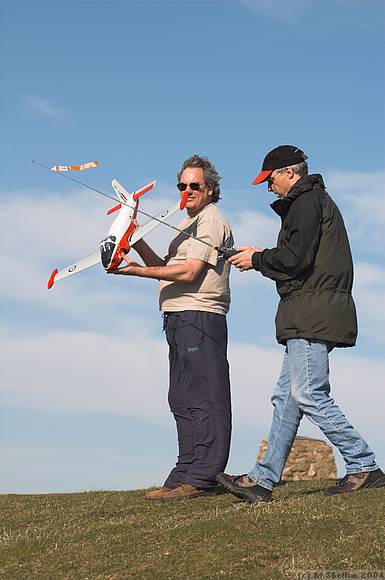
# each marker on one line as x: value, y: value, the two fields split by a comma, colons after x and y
x: 281, y: 156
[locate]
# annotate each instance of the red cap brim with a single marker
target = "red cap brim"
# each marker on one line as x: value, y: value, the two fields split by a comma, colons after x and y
x: 263, y: 176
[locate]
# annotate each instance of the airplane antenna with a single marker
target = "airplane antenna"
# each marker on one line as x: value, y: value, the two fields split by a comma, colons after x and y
x: 122, y: 203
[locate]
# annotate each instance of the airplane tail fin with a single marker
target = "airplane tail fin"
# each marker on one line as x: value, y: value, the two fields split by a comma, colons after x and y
x: 124, y: 195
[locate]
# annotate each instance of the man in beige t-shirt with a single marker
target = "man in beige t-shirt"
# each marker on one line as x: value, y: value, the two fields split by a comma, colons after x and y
x: 210, y: 290
x: 194, y: 297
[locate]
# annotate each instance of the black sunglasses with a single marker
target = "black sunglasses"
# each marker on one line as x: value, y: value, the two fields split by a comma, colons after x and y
x: 194, y: 186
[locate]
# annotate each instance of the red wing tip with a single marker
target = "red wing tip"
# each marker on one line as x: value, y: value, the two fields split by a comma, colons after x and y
x: 183, y: 200
x: 52, y: 278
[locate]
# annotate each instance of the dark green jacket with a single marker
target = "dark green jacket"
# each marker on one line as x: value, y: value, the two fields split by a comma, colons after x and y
x: 312, y: 267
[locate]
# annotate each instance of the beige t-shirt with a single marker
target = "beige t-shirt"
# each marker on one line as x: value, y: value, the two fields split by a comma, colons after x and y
x: 210, y: 292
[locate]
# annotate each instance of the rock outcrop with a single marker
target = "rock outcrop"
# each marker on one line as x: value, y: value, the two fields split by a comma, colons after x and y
x: 308, y: 459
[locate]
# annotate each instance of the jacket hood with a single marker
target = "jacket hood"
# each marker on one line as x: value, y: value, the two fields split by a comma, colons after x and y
x: 306, y: 183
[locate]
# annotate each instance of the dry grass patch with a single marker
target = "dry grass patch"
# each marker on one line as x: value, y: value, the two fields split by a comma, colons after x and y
x: 119, y: 535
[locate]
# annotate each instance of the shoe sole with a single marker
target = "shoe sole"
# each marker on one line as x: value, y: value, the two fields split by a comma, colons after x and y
x: 242, y: 493
x: 186, y: 497
x: 378, y: 483
x: 153, y: 498
x: 166, y: 498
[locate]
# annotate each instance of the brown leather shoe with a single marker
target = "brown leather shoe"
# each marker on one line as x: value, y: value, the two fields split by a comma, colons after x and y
x: 157, y: 493
x: 186, y: 491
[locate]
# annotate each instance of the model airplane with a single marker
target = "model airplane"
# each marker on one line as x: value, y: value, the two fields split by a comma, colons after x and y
x: 121, y: 235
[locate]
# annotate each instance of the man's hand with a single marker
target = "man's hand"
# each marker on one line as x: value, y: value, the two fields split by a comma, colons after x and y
x: 128, y: 270
x: 242, y: 260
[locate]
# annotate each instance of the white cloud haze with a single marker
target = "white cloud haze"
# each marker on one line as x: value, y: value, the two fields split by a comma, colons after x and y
x: 45, y: 107
x: 93, y: 372
x: 361, y: 199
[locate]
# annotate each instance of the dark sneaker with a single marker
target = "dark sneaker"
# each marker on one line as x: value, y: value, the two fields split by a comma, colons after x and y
x: 245, y: 488
x: 357, y: 481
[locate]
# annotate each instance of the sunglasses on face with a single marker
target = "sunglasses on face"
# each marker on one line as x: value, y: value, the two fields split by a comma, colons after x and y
x: 272, y: 177
x: 194, y: 186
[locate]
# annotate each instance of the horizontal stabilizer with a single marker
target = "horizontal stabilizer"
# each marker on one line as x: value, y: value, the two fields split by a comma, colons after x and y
x: 144, y: 189
x: 115, y: 208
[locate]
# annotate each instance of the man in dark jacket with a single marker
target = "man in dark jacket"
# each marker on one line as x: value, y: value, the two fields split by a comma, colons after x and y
x: 313, y: 270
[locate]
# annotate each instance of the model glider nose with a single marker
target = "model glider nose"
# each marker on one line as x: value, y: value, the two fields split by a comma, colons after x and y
x: 107, y: 249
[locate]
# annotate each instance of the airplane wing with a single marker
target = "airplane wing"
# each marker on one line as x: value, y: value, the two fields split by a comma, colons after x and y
x: 83, y: 264
x: 153, y: 223
x: 95, y: 258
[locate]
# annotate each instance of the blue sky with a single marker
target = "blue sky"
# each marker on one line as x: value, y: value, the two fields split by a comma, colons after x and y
x: 140, y: 86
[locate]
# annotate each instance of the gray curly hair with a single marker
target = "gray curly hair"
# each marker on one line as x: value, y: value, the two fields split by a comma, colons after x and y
x: 210, y: 174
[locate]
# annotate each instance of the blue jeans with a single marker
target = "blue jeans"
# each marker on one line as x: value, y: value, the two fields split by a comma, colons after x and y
x: 303, y: 389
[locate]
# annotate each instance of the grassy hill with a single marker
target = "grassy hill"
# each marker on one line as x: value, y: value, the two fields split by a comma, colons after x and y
x: 118, y: 535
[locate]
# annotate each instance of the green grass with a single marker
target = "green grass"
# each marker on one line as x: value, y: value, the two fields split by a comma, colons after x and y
x: 117, y: 535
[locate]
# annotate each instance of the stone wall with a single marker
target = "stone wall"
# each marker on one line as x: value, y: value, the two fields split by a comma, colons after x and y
x: 308, y: 459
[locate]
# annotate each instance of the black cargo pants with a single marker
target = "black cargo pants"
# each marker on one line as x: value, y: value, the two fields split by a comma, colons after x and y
x: 199, y: 395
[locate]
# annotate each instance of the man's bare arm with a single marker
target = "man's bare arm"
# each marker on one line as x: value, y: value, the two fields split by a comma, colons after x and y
x: 187, y: 271
x: 149, y: 257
